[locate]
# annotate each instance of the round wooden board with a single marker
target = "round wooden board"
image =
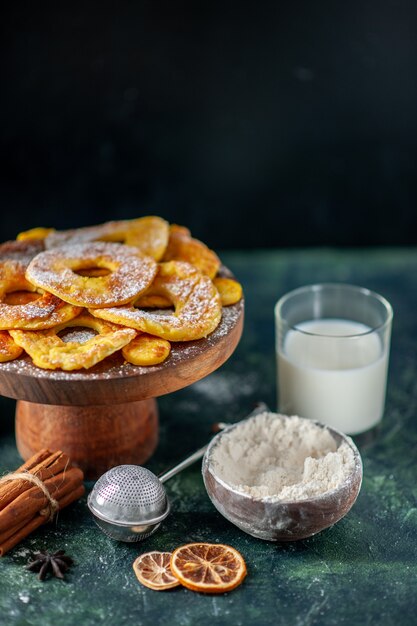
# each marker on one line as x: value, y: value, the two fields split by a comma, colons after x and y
x: 114, y: 381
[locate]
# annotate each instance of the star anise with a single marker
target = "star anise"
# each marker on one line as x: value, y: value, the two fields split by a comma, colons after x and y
x: 56, y: 563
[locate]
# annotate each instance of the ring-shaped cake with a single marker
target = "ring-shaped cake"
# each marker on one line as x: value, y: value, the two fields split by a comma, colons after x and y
x: 58, y: 271
x: 49, y: 351
x: 196, y: 301
x: 24, y: 306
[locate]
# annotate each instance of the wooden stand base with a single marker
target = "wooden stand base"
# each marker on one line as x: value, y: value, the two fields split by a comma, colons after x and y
x: 79, y: 412
x: 95, y: 437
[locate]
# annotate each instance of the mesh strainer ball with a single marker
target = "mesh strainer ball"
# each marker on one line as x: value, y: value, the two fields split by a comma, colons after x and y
x: 128, y: 502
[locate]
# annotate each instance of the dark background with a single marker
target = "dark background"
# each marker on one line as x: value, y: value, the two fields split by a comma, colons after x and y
x: 256, y: 124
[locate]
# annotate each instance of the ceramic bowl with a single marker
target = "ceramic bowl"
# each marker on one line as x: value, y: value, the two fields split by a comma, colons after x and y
x: 273, y: 520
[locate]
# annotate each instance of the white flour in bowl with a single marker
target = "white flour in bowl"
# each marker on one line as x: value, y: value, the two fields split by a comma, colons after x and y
x: 280, y: 457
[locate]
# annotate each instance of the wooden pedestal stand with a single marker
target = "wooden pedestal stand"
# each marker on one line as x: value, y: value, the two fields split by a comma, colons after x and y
x: 108, y: 415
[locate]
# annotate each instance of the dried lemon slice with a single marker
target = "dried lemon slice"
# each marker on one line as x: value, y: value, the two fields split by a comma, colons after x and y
x: 154, y: 571
x: 208, y: 567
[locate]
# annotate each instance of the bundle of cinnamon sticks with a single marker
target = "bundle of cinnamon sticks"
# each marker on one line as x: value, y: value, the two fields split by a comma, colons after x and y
x: 23, y: 505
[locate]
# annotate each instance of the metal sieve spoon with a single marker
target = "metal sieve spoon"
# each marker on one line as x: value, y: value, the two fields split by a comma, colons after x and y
x: 129, y: 502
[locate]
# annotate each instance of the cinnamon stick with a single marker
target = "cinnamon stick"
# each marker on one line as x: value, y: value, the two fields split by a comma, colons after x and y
x: 49, y: 466
x: 64, y: 501
x: 33, y: 500
x: 23, y: 530
x: 24, y: 506
x: 72, y: 497
x: 10, y: 543
x: 34, y: 460
x: 14, y: 528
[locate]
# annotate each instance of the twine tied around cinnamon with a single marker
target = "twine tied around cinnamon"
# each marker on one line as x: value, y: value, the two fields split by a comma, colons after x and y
x: 52, y: 505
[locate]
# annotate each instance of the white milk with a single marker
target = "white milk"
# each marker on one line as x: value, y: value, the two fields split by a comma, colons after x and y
x: 333, y: 379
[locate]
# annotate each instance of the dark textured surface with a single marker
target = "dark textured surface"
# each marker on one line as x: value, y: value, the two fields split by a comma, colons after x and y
x: 302, y: 112
x: 361, y: 571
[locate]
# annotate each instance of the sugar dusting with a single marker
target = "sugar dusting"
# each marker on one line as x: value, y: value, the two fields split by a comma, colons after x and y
x: 197, y: 304
x: 78, y: 335
x: 21, y: 251
x: 147, y: 234
x: 48, y: 309
x: 83, y: 235
x: 225, y: 388
x: 115, y: 366
x: 22, y: 307
x: 130, y: 274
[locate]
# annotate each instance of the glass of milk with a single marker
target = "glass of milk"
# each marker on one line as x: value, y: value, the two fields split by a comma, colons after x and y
x: 332, y: 344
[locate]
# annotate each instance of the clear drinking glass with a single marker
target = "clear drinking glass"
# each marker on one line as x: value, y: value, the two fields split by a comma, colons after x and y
x: 332, y: 345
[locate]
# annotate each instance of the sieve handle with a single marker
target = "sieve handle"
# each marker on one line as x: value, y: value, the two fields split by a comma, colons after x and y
x: 198, y: 454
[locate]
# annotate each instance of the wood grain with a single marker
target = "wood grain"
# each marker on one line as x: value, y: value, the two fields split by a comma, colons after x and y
x: 95, y: 437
